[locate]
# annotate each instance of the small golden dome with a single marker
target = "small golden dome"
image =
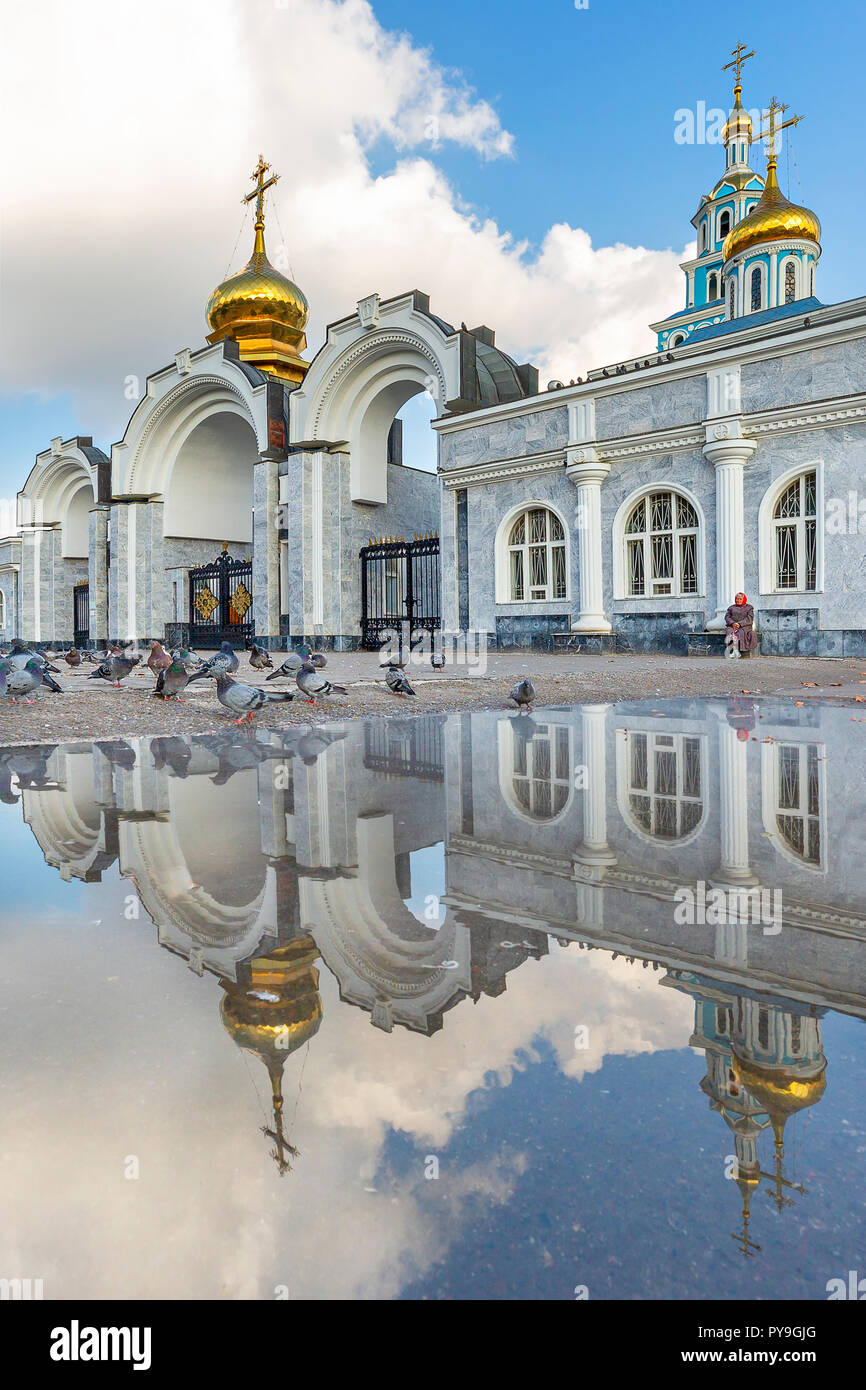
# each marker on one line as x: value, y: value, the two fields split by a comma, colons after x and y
x: 260, y: 309
x: 774, y: 219
x: 739, y: 121
x: 780, y: 1094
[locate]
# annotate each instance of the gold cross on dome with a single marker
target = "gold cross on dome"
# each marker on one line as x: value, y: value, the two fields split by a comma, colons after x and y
x: 772, y: 128
x: 740, y: 58
x: 258, y: 175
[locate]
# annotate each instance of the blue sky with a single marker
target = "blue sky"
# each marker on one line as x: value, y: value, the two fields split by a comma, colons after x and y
x: 588, y: 95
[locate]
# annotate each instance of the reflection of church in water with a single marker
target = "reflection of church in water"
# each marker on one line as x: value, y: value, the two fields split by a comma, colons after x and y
x: 258, y: 856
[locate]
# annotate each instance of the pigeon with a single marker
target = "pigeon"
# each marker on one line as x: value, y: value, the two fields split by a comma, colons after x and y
x: 398, y: 684
x: 317, y: 659
x: 224, y: 663
x: 73, y: 658
x: 115, y: 669
x: 171, y: 751
x: 394, y: 663
x: 246, y: 700
x: 290, y: 667
x: 311, y: 745
x: 523, y: 695
x: 159, y: 659
x: 260, y: 660
x: 174, y: 678
x: 311, y: 684
x: 20, y: 654
x: 437, y: 660
x: 24, y: 681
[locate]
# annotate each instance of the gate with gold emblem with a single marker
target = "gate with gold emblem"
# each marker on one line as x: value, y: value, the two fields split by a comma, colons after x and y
x: 221, y: 602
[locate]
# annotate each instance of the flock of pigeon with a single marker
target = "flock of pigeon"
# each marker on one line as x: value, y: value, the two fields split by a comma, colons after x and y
x: 23, y: 671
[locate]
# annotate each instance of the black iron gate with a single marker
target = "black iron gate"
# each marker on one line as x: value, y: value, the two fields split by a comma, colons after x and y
x: 81, y: 614
x: 399, y: 584
x: 221, y: 602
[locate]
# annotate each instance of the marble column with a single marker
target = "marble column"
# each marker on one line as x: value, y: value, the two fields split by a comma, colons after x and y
x: 97, y: 576
x: 137, y: 585
x: 266, y: 553
x: 36, y: 579
x: 728, y: 455
x: 587, y: 471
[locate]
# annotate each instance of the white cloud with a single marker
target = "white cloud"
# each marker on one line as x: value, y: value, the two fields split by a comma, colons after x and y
x: 142, y: 125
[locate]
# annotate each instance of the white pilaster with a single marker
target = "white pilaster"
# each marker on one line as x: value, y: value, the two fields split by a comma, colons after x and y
x: 728, y: 452
x: 587, y: 471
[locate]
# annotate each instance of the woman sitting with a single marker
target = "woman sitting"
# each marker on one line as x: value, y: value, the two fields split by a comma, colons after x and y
x: 740, y: 626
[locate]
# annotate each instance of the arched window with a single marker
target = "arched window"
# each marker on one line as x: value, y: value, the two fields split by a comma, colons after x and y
x: 664, y: 791
x: 704, y: 235
x: 712, y: 287
x: 536, y: 557
x: 756, y: 288
x: 661, y: 546
x: 724, y: 224
x: 535, y: 768
x: 795, y: 535
x: 812, y: 280
x: 731, y: 299
x: 677, y: 338
x: 790, y: 282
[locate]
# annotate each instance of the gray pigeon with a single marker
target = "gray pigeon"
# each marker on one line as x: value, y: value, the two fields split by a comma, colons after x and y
x: 24, y: 682
x: 225, y: 663
x: 246, y: 700
x: 290, y: 667
x: 398, y: 684
x: 317, y: 659
x: 115, y: 669
x: 311, y: 683
x: 523, y: 695
x: 170, y: 682
x: 259, y: 659
x: 20, y: 654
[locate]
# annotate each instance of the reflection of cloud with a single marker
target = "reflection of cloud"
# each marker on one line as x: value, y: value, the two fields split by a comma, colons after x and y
x: 115, y: 1048
x: 150, y: 209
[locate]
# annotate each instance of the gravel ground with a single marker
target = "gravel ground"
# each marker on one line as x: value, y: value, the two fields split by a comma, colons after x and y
x: 89, y: 709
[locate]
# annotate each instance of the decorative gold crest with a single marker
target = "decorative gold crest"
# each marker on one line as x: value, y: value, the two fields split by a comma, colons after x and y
x: 205, y: 603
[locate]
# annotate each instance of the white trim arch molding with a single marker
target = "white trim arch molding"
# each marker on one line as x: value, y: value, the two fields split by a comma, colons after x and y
x: 502, y: 548
x: 619, y: 539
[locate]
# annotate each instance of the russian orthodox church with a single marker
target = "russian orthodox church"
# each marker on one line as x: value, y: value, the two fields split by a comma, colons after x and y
x: 624, y: 510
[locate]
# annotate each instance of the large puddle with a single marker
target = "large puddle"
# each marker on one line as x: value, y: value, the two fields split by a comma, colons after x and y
x: 480, y: 1006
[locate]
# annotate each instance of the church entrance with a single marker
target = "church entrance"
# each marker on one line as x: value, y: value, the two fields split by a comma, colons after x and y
x: 221, y: 602
x: 81, y: 615
x: 399, y: 584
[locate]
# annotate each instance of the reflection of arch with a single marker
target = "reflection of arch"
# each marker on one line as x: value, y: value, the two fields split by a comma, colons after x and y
x: 77, y: 836
x: 661, y: 784
x: 536, y: 762
x: 384, y: 960
x: 794, y: 801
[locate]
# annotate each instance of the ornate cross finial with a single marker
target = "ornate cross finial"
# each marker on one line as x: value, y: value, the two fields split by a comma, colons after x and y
x: 740, y: 58
x: 774, y: 128
x: 258, y: 177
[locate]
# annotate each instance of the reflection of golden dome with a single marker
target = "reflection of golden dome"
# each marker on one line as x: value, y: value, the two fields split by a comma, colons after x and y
x: 774, y: 218
x: 262, y: 310
x: 780, y: 1094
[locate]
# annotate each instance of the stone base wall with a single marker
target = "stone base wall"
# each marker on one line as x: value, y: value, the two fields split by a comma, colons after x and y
x: 534, y: 632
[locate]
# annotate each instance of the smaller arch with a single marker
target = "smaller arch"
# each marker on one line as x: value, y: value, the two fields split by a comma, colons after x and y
x: 504, y: 548
x: 622, y: 588
x: 756, y: 289
x: 789, y: 280
x: 712, y: 287
x: 661, y: 784
x: 724, y: 223
x: 536, y: 779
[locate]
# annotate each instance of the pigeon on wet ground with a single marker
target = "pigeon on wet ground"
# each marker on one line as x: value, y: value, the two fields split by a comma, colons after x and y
x: 21, y: 683
x: 247, y: 700
x: 259, y: 659
x: 159, y: 659
x: 224, y: 663
x: 175, y: 677
x: 523, y: 695
x: 312, y: 684
x: 115, y: 669
x: 398, y: 684
x: 290, y: 667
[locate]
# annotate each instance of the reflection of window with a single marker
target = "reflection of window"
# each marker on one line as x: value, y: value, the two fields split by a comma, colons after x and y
x: 795, y: 534
x: 536, y: 556
x: 661, y: 546
x: 798, y: 799
x: 665, y: 783
x: 536, y: 768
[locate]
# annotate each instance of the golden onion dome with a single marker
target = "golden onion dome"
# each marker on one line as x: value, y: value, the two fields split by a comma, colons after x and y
x: 739, y: 121
x: 259, y: 308
x: 774, y: 219
x: 280, y: 1008
x: 780, y: 1094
